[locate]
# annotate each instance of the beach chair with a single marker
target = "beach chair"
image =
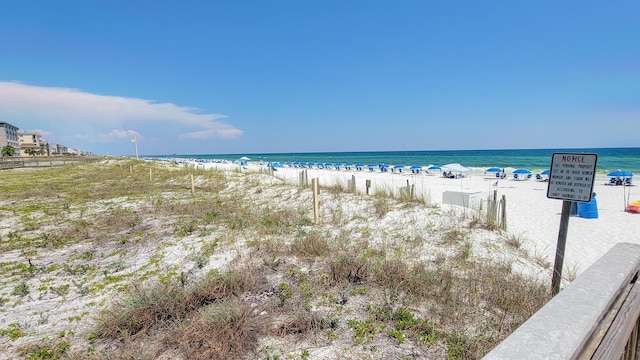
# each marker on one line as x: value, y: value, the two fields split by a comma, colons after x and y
x: 515, y: 176
x: 612, y: 181
x: 528, y: 176
x: 538, y: 177
x: 371, y: 168
x: 627, y: 181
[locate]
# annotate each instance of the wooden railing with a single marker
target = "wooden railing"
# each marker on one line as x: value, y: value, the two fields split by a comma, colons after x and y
x: 594, y: 317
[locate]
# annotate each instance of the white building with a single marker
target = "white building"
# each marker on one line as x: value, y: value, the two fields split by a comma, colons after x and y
x: 9, y: 136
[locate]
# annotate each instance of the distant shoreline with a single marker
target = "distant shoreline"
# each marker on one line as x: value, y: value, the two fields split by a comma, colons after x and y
x: 536, y: 160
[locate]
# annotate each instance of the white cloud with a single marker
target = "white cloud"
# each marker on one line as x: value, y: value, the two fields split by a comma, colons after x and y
x: 102, y: 113
x: 222, y: 133
x: 120, y: 134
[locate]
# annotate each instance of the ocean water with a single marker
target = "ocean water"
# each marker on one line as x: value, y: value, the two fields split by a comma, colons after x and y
x: 536, y: 160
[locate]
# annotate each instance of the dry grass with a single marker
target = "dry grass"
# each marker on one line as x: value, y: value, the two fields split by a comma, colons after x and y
x: 165, y: 273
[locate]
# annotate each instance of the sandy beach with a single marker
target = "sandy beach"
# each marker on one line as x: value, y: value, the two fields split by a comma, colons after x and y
x: 66, y: 261
x: 530, y: 214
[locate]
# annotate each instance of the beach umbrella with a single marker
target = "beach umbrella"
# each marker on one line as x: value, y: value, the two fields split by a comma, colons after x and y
x: 399, y: 167
x: 244, y: 158
x: 620, y: 173
x: 359, y: 165
x: 434, y: 167
x: 546, y: 172
x: 494, y: 170
x: 522, y: 171
x: 456, y: 167
x: 416, y: 167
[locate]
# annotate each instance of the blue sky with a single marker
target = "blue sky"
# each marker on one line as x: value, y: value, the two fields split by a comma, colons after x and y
x: 207, y: 77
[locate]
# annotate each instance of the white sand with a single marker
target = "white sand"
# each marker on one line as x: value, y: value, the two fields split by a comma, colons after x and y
x: 530, y: 214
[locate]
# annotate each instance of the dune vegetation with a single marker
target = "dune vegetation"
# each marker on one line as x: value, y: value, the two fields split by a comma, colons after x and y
x: 119, y: 259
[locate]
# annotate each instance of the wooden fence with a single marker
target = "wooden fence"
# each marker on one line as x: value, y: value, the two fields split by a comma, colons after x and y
x: 23, y: 162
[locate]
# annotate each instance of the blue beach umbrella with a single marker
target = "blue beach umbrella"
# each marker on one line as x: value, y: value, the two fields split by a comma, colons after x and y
x: 434, y: 167
x: 359, y: 165
x: 620, y: 173
x: 494, y: 170
x: 546, y: 172
x: 399, y: 167
x: 416, y: 167
x: 522, y: 171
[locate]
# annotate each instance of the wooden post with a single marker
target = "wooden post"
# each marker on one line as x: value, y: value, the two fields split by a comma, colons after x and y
x: 314, y: 185
x: 131, y: 170
x: 193, y: 186
x: 368, y: 185
x: 562, y: 241
x: 150, y: 174
x: 503, y: 222
x: 353, y: 184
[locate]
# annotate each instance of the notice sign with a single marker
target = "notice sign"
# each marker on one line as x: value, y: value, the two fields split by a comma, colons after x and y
x: 572, y: 176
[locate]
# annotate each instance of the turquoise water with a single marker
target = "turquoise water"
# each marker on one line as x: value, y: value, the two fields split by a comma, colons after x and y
x: 609, y: 159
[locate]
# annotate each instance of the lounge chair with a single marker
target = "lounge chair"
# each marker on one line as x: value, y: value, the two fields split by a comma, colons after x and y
x: 538, y: 177
x: 627, y: 181
x: 515, y: 176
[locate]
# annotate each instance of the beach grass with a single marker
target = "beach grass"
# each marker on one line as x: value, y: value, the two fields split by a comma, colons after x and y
x: 125, y: 261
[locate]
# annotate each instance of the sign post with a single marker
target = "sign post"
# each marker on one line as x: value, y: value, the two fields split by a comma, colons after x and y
x: 571, y: 179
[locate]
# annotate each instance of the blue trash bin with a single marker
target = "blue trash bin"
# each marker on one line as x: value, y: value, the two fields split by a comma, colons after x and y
x: 588, y: 210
